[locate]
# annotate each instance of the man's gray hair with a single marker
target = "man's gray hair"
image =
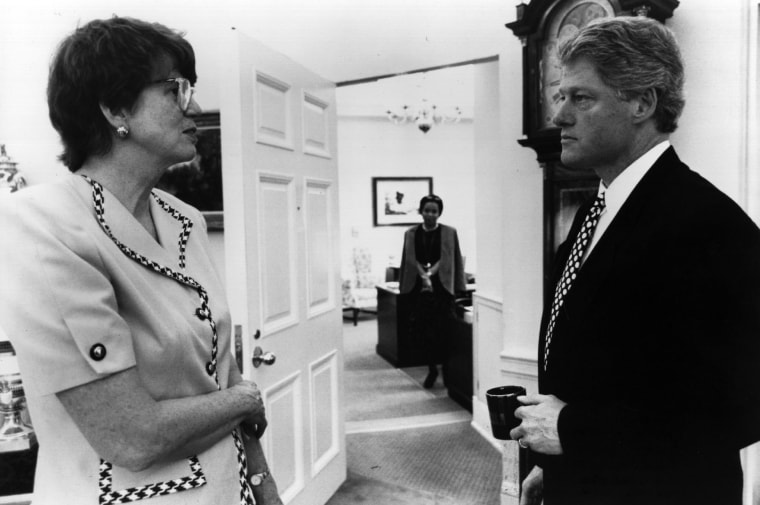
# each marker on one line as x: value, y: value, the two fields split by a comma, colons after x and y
x: 632, y: 55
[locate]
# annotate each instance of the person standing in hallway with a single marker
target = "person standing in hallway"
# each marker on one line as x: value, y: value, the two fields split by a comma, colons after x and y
x: 110, y: 296
x: 432, y: 272
x: 648, y: 351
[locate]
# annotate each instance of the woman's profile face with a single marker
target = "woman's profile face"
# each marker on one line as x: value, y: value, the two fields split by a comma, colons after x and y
x: 430, y: 214
x: 160, y: 126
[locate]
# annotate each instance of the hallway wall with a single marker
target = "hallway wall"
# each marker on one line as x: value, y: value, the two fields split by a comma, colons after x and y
x: 507, y: 310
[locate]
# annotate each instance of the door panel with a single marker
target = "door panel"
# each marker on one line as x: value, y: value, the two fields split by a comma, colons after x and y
x: 284, y: 401
x: 282, y: 258
x: 316, y: 126
x: 325, y: 415
x: 277, y: 251
x: 320, y: 234
x: 273, y: 119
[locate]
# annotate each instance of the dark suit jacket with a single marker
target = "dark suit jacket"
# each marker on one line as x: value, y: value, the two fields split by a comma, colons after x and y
x: 451, y: 270
x: 657, y: 350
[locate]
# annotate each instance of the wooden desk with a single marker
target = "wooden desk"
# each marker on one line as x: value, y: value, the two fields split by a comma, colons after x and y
x: 18, y: 457
x: 401, y: 347
x: 457, y: 370
x: 396, y: 342
x: 17, y: 474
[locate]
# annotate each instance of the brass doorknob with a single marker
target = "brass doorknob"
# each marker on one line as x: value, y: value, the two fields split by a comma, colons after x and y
x: 260, y: 357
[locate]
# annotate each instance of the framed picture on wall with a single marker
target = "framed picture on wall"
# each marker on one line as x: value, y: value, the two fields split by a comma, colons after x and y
x: 395, y: 200
x: 199, y: 182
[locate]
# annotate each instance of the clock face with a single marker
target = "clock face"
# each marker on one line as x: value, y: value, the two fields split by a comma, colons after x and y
x: 563, y: 24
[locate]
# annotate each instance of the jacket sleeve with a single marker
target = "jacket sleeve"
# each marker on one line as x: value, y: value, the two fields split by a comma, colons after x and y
x: 67, y: 306
x: 408, y: 268
x: 460, y: 282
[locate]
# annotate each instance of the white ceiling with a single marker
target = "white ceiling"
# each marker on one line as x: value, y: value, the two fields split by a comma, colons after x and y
x: 342, y: 40
x: 345, y: 40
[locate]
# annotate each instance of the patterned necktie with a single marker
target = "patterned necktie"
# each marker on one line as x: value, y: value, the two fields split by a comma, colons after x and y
x: 572, y: 266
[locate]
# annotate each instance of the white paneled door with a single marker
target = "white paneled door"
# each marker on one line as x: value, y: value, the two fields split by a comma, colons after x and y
x: 278, y: 127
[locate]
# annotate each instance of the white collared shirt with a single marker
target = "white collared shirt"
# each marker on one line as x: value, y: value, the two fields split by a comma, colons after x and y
x: 621, y: 188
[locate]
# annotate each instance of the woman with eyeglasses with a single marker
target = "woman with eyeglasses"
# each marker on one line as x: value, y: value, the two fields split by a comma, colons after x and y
x: 111, y: 298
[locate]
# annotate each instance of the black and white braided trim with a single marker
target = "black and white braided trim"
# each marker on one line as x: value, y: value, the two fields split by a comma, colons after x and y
x: 187, y: 225
x: 163, y: 488
x: 108, y: 496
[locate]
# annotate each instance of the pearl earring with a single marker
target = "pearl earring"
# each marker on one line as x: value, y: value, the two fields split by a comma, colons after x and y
x: 122, y: 132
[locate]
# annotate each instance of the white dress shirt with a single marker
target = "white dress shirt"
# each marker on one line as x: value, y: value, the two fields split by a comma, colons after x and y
x: 620, y: 189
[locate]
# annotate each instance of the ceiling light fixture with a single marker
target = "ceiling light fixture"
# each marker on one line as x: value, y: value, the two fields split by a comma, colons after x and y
x: 424, y: 116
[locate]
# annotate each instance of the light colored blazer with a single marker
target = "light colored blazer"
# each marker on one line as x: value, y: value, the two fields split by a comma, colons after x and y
x: 67, y: 290
x: 451, y: 269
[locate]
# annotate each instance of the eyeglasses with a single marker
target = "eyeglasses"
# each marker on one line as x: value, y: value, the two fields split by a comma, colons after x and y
x: 184, y: 91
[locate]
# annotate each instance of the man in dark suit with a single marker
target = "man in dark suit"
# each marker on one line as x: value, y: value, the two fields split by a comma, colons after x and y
x: 650, y: 349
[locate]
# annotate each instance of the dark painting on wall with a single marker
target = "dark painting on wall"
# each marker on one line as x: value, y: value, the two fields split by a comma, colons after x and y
x: 395, y: 200
x: 199, y: 182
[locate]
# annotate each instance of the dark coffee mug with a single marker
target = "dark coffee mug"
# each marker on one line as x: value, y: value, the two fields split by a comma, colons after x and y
x: 502, y: 402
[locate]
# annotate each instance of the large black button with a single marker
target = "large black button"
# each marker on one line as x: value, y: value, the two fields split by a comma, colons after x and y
x: 210, y: 368
x: 98, y: 352
x: 200, y: 314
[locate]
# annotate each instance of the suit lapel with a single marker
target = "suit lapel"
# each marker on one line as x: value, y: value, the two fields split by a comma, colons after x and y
x: 132, y: 234
x: 632, y: 223
x: 169, y: 230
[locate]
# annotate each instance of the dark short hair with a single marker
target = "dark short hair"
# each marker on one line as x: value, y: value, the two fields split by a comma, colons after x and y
x: 106, y: 61
x: 431, y: 199
x: 632, y: 55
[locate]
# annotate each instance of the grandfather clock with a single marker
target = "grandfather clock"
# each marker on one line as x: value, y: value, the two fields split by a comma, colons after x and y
x: 542, y: 25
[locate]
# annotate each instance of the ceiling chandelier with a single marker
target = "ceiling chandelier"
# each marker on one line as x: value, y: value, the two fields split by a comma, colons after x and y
x: 425, y: 115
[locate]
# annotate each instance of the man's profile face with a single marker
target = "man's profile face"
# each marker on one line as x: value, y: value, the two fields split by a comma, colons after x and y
x: 597, y: 127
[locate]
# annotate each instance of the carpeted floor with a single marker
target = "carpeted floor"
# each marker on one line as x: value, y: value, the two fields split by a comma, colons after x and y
x: 362, y: 490
x: 378, y: 391
x: 451, y: 460
x: 408, y: 445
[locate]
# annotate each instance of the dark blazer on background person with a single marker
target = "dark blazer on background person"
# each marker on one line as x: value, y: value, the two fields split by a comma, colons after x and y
x: 451, y: 270
x: 656, y: 350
